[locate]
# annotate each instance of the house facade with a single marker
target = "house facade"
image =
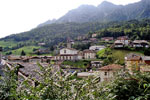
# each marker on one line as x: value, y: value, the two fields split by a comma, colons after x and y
x: 118, y: 44
x: 140, y: 43
x: 94, y: 35
x: 89, y: 54
x: 68, y: 54
x: 96, y: 64
x: 124, y: 39
x: 135, y: 62
x: 108, y: 72
x: 69, y: 51
x: 107, y: 39
x: 97, y: 48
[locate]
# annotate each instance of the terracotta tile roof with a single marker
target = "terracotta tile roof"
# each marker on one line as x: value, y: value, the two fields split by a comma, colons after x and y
x: 89, y: 51
x: 111, y: 67
x: 122, y: 38
x: 70, y: 49
x: 119, y: 42
x: 140, y: 41
x: 133, y: 57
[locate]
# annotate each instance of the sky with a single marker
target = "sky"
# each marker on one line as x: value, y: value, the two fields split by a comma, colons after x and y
x: 22, y: 15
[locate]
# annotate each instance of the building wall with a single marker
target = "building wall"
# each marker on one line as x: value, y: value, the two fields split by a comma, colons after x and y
x: 80, y: 57
x: 118, y: 46
x: 89, y: 55
x: 74, y: 57
x: 106, y: 75
x: 131, y: 65
x: 96, y: 47
x: 68, y: 51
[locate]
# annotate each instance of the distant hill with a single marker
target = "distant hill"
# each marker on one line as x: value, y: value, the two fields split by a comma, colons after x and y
x: 54, y: 33
x: 106, y: 12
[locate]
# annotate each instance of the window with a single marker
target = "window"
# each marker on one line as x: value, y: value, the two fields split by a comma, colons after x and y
x: 64, y: 51
x: 105, y: 73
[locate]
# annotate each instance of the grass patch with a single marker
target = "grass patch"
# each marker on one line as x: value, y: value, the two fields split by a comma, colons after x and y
x: 77, y: 64
x: 7, y: 44
x: 120, y: 54
x: 27, y: 50
x: 101, y: 53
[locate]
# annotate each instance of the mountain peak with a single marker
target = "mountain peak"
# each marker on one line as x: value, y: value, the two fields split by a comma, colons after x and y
x: 106, y: 3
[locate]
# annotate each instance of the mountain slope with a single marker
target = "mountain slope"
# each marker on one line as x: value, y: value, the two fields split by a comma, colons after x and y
x: 54, y: 33
x: 106, y: 12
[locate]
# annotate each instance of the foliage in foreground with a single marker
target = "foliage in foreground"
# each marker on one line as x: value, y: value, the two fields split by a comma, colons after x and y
x: 58, y: 86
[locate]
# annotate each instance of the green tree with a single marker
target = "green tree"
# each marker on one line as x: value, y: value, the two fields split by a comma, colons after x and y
x: 23, y: 53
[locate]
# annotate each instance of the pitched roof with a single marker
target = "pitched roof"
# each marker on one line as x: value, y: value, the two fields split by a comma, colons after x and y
x: 70, y: 49
x: 119, y: 42
x: 89, y: 51
x: 133, y: 57
x: 111, y: 67
x: 122, y: 38
x: 140, y: 41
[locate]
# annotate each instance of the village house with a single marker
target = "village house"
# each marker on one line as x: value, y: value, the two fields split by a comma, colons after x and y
x: 94, y: 40
x: 140, y: 43
x: 67, y: 54
x: 15, y: 59
x: 96, y: 48
x: 136, y: 62
x: 85, y: 74
x: 41, y: 51
x: 124, y: 39
x: 94, y: 35
x: 89, y: 54
x: 41, y: 44
x: 133, y: 60
x: 96, y: 64
x: 86, y: 41
x: 107, y: 39
x: 79, y: 38
x: 108, y: 72
x: 118, y: 44
x: 34, y: 59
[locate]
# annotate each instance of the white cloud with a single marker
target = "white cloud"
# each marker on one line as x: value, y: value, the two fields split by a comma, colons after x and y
x: 22, y: 15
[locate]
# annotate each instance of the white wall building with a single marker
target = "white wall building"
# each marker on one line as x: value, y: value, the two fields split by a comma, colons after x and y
x: 97, y: 47
x: 89, y: 54
x: 69, y: 51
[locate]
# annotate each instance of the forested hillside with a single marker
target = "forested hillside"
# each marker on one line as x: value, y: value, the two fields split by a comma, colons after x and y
x: 54, y: 33
x: 134, y: 29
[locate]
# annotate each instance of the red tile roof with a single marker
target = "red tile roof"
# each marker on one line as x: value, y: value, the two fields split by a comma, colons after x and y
x: 133, y: 57
x: 89, y: 51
